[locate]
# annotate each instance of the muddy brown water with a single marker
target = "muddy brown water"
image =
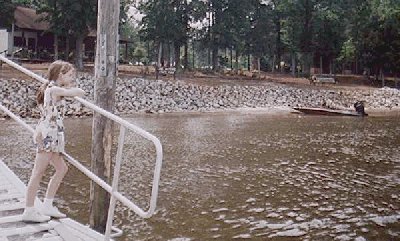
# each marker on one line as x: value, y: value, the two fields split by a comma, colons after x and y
x: 235, y: 176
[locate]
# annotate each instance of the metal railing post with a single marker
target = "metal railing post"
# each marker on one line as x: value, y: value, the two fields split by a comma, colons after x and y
x: 114, y: 187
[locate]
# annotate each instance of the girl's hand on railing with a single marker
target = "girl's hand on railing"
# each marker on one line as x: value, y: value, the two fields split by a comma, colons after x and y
x: 70, y: 92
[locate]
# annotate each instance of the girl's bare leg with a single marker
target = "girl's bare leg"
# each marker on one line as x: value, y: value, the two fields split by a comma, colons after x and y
x: 61, y: 169
x: 30, y: 213
x: 42, y: 160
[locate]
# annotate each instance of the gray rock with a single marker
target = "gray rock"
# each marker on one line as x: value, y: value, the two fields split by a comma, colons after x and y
x: 138, y: 95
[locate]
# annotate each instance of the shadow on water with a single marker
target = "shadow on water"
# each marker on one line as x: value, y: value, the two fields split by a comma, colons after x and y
x: 243, y: 176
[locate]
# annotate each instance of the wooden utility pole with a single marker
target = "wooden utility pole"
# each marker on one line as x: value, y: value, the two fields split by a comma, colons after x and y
x: 104, y: 96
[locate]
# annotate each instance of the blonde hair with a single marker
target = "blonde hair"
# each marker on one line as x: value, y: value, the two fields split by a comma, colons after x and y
x: 53, y: 74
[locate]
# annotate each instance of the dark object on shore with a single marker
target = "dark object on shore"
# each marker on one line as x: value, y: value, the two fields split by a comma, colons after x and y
x: 359, y: 106
x: 320, y: 78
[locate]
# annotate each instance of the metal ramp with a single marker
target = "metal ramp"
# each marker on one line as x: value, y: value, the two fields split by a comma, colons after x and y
x: 12, y: 203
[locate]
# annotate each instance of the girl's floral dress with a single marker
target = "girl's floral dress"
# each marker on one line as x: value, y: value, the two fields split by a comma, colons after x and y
x: 49, y: 134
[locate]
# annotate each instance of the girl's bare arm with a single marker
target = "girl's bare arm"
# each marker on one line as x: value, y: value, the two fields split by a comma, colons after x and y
x: 70, y: 92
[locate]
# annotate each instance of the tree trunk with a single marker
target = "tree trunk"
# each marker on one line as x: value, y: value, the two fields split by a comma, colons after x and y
x: 148, y: 53
x: 278, y: 41
x: 126, y: 52
x: 104, y: 97
x: 36, y: 51
x: 231, y: 59
x: 215, y: 66
x: 67, y: 48
x: 177, y: 49
x: 79, y: 52
x: 208, y: 57
x: 160, y: 52
x: 273, y: 63
x: 186, y: 57
x: 293, y: 64
x: 321, y: 71
x: 248, y: 62
x: 194, y: 50
x: 237, y: 61
x: 169, y: 56
x: 307, y: 63
x: 356, y: 72
x: 382, y: 76
x: 306, y: 36
x: 225, y: 54
x: 55, y: 47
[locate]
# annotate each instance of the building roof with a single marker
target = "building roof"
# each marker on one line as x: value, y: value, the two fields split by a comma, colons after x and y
x: 28, y: 18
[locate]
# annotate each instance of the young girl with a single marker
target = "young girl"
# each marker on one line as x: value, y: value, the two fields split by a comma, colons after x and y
x: 49, y: 137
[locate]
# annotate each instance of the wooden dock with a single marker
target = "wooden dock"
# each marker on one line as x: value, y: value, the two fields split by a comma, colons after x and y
x: 12, y: 203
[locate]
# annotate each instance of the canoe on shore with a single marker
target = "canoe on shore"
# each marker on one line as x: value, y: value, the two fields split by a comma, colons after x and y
x: 328, y: 112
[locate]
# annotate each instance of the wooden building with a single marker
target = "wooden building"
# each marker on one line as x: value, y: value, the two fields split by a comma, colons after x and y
x: 30, y: 38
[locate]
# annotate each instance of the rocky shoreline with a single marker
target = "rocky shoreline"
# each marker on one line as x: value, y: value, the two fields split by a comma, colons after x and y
x: 137, y: 95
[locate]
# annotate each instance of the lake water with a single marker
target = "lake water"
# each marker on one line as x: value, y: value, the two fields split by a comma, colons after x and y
x: 243, y: 175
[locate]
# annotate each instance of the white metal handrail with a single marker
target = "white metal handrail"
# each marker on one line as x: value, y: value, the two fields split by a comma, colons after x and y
x: 113, y: 190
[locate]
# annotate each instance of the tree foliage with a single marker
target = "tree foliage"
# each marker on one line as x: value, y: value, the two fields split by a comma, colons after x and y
x: 167, y: 22
x: 361, y: 33
x: 6, y: 12
x: 357, y: 32
x: 73, y: 19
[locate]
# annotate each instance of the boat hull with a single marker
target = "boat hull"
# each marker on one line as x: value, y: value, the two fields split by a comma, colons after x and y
x: 327, y: 112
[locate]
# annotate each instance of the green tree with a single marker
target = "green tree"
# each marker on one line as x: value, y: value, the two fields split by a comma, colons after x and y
x: 304, y: 14
x: 347, y: 53
x: 167, y: 22
x: 313, y: 27
x: 329, y: 35
x: 158, y: 23
x: 7, y: 10
x: 262, y: 35
x: 6, y: 13
x: 229, y: 25
x: 71, y: 18
x: 379, y: 35
x: 364, y: 32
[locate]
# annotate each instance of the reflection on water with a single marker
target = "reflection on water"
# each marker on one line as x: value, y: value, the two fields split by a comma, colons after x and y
x: 244, y: 176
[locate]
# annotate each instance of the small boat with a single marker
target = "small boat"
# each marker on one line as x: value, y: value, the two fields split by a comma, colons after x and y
x: 328, y: 112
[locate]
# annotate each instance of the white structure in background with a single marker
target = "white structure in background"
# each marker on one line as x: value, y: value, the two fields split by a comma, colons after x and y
x: 25, y: 32
x: 3, y: 42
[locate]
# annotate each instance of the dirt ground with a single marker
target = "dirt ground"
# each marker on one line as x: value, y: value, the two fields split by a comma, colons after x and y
x: 227, y: 78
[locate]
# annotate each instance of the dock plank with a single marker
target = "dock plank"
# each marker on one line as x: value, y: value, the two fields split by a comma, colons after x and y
x: 12, y: 197
x: 14, y: 206
x: 66, y: 233
x: 29, y: 229
x: 80, y: 230
x: 7, y: 196
x: 55, y: 238
x: 11, y: 219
